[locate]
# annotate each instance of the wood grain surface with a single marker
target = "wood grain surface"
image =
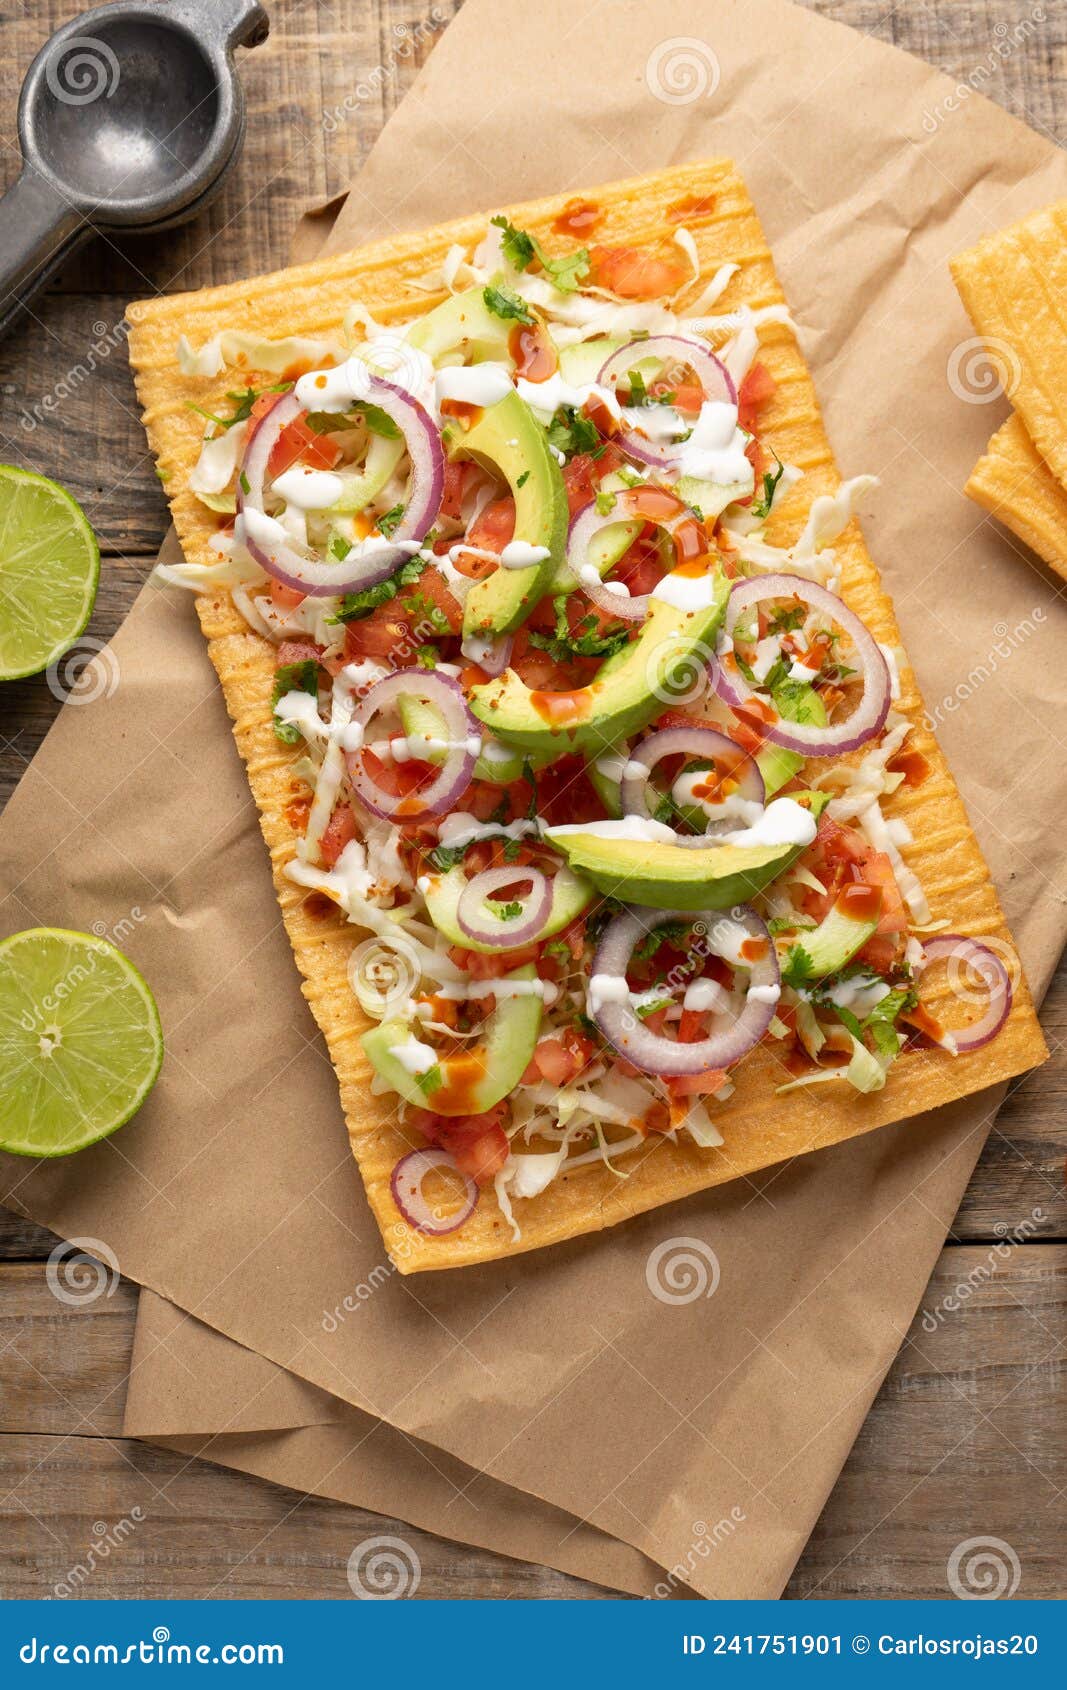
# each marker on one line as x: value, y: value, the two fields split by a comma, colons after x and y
x: 966, y: 1437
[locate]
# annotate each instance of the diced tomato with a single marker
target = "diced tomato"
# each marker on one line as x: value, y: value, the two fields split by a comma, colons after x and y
x: 692, y: 1025
x: 490, y: 965
x: 641, y: 566
x: 583, y: 474
x: 460, y: 476
x: 435, y: 590
x: 687, y: 396
x: 264, y: 403
x: 384, y: 634
x: 565, y: 791
x: 560, y: 1059
x: 494, y: 525
x: 297, y: 651
x: 632, y: 273
x: 340, y: 831
x: 840, y: 855
x: 286, y: 598
x: 299, y: 443
x: 478, y: 1142
x: 757, y: 387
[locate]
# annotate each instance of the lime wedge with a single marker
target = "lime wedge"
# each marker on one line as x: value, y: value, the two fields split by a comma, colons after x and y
x: 49, y: 569
x: 80, y: 1041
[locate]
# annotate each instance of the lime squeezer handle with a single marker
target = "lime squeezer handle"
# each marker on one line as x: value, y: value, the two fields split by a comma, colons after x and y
x: 38, y: 229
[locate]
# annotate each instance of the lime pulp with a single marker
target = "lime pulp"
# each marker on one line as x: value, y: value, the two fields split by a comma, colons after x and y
x: 49, y: 570
x: 80, y: 1041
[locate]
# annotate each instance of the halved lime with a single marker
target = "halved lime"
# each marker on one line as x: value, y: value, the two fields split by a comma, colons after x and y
x: 80, y: 1041
x: 49, y: 569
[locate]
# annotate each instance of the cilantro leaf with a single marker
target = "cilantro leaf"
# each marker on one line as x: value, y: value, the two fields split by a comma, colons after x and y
x: 503, y: 303
x: 798, y: 967
x: 571, y: 432
x: 585, y: 639
x: 531, y: 781
x: 644, y: 1010
x: 509, y: 911
x: 762, y: 506
x: 390, y: 521
x: 357, y: 605
x: 292, y: 677
x: 789, y: 924
x: 373, y: 418
x: 242, y: 402
x: 666, y: 933
x: 432, y: 1079
x: 520, y: 250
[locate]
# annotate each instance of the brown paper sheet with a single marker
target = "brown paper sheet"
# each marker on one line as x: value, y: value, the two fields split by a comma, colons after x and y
x: 232, y: 1195
x: 281, y: 1428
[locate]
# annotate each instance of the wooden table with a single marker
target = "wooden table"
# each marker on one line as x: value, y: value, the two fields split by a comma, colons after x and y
x: 966, y: 1438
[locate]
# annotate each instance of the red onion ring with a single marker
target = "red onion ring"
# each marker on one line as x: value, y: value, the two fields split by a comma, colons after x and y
x: 713, y: 376
x: 995, y: 977
x: 496, y: 655
x: 869, y: 716
x: 454, y: 775
x: 705, y: 743
x: 492, y: 931
x: 367, y: 563
x: 643, y: 504
x: 406, y: 1187
x: 650, y: 1051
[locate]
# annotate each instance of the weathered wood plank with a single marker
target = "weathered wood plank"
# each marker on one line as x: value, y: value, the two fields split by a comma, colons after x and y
x: 99, y: 1517
x: 967, y: 1422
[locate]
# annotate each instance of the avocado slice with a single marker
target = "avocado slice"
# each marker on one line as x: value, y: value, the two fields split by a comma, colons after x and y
x: 775, y: 763
x: 839, y: 935
x: 497, y: 763
x: 473, y: 1079
x: 581, y: 363
x: 570, y: 895
x: 509, y: 440
x: 606, y: 547
x: 463, y: 324
x: 712, y: 497
x: 630, y: 688
x: 668, y: 877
